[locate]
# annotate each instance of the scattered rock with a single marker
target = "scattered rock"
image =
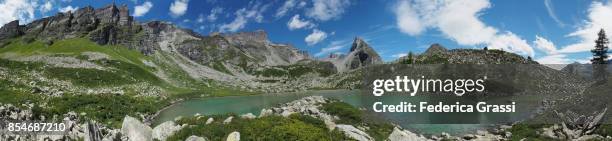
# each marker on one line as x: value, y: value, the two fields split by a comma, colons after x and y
x: 469, y: 136
x: 405, y: 135
x: 265, y: 112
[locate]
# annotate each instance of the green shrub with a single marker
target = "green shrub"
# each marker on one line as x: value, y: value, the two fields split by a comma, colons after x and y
x: 347, y: 113
x: 604, y: 130
x: 296, y: 127
x: 528, y: 131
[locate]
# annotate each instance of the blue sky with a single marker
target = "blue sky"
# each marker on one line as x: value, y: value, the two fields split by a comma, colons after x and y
x: 552, y: 32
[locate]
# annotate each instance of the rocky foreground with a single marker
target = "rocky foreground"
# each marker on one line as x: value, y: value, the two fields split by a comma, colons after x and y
x: 132, y: 129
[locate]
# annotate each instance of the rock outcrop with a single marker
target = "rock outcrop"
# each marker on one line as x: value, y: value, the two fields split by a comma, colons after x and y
x: 307, y: 106
x: 575, y: 126
x: 11, y: 30
x: 354, y: 133
x: 405, y: 135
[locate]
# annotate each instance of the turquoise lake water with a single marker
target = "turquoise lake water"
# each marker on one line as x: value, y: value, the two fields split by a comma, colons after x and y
x: 253, y: 104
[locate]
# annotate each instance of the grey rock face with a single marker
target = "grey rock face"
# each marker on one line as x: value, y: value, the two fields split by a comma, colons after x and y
x: 354, y: 133
x: 10, y: 30
x: 362, y: 55
x: 108, y: 25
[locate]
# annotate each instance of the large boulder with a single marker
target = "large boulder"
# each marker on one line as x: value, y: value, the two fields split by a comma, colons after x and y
x: 234, y: 136
x: 210, y: 120
x: 165, y: 130
x: 354, y: 133
x: 134, y: 130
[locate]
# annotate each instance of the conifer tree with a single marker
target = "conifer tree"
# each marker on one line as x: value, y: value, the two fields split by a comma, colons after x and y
x: 600, y: 56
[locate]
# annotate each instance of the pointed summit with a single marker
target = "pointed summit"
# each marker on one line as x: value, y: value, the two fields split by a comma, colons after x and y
x: 435, y: 49
x: 358, y: 42
x: 361, y: 55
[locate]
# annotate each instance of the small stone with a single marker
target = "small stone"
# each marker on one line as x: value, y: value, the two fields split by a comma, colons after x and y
x: 228, y: 120
x: 210, y: 120
x: 248, y: 116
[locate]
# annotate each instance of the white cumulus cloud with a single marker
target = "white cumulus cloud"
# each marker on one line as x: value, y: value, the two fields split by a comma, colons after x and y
x: 399, y: 55
x: 22, y: 10
x: 457, y: 20
x: 297, y: 23
x: 243, y: 15
x: 554, y: 59
x: 315, y: 37
x: 213, y: 13
x: 141, y: 10
x: 545, y: 45
x: 179, y: 8
x: 512, y: 43
x: 68, y: 8
x: 598, y: 18
x: 324, y: 10
x: 46, y: 7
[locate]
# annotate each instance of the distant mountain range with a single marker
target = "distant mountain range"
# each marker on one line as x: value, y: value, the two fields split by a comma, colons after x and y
x: 182, y: 59
x: 177, y: 56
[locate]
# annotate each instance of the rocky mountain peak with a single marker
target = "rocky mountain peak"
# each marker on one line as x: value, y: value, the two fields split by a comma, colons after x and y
x: 360, y: 55
x: 358, y: 43
x: 435, y: 49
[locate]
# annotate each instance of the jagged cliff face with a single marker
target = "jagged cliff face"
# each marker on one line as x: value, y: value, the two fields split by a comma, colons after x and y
x: 113, y: 25
x: 244, y: 59
x: 108, y: 25
x: 360, y: 55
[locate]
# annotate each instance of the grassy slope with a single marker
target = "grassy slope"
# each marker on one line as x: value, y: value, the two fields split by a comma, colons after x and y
x: 128, y: 68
